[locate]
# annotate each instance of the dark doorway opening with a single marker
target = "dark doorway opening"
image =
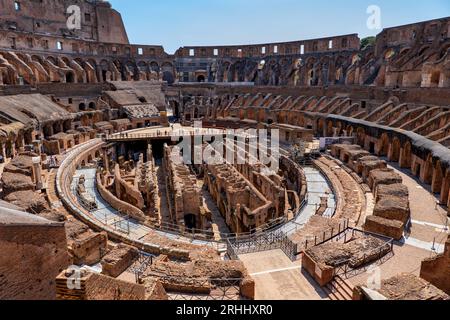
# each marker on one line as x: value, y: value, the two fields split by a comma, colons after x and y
x: 190, y: 220
x: 372, y: 147
x: 168, y: 77
x: 70, y: 77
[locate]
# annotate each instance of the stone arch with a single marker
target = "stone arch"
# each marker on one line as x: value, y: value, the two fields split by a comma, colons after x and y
x: 90, y: 66
x: 320, y: 127
x: 70, y: 77
x: 223, y: 72
x: 52, y: 59
x: 444, y: 50
x: 339, y: 69
x: 350, y: 130
x: 427, y: 174
x: 143, y: 66
x: 389, y: 54
x: 395, y: 150
x: 435, y: 78
x: 201, y: 78
x: 144, y: 70
x: 117, y: 70
x: 383, y: 145
x: 438, y: 178
x: 422, y: 50
x: 168, y: 73
x: 445, y: 190
x: 360, y: 136
x: 311, y: 77
x: 403, y: 52
x: 65, y: 60
x: 37, y: 58
x: 329, y: 132
x: 154, y: 66
x: 67, y: 125
x: 339, y: 129
x: 324, y: 70
x: 104, y: 70
x: 196, y: 113
x: 406, y: 154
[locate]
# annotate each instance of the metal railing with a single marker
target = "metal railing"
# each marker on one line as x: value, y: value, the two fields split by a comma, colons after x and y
x: 141, y: 264
x: 327, y: 235
x: 167, y: 132
x: 199, y: 234
x: 263, y: 242
x: 357, y: 265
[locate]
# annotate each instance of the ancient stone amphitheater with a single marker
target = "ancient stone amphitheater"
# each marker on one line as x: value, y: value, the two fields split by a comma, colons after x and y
x: 99, y: 201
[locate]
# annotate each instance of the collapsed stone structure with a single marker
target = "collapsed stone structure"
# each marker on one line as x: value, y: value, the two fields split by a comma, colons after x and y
x: 185, y: 202
x: 322, y: 261
x: 401, y: 287
x: 435, y: 270
x: 34, y: 253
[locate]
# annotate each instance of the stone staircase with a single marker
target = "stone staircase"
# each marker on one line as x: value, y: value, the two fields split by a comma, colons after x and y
x: 339, y: 289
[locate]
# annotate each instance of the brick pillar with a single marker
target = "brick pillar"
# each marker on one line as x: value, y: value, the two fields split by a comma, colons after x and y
x: 37, y: 172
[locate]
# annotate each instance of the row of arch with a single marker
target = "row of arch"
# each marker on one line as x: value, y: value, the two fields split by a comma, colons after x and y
x: 401, y: 148
x: 312, y: 70
x: 22, y: 68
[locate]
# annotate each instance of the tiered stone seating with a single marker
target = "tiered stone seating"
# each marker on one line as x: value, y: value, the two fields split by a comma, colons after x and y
x: 391, y: 211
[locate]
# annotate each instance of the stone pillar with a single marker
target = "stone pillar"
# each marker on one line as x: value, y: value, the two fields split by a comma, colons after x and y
x: 2, y: 151
x: 37, y: 147
x: 20, y: 142
x: 105, y: 159
x: 390, y: 154
x: 49, y: 129
x: 59, y: 127
x: 13, y: 149
x: 37, y: 172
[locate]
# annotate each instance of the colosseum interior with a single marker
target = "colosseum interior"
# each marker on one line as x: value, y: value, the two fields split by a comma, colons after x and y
x: 99, y: 201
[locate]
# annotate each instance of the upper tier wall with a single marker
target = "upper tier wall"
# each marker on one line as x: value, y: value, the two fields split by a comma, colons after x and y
x: 99, y: 22
x: 329, y: 44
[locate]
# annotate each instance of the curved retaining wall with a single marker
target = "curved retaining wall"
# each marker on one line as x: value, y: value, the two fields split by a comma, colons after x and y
x: 63, y: 181
x: 427, y: 159
x: 118, y: 204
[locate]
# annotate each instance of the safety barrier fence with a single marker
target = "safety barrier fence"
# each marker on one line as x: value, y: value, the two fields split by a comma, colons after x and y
x: 165, y: 133
x: 326, y: 235
x: 354, y: 266
x: 263, y: 242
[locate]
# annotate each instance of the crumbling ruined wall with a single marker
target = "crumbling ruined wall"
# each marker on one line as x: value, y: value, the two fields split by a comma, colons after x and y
x: 34, y: 252
x: 407, y: 287
x: 118, y: 204
x: 146, y: 182
x: 240, y: 203
x: 182, y: 190
x: 93, y: 286
x: 118, y: 260
x: 126, y: 191
x: 89, y: 248
x: 437, y: 270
